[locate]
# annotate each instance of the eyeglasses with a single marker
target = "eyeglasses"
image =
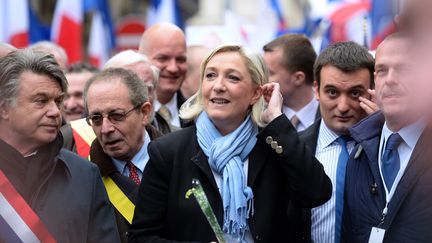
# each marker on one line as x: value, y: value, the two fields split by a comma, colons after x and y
x: 113, y: 116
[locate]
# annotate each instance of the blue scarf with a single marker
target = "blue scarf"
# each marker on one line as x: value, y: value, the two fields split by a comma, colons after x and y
x: 226, y: 155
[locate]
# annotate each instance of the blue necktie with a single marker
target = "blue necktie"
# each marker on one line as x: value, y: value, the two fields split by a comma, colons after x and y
x: 340, y: 184
x: 390, y: 161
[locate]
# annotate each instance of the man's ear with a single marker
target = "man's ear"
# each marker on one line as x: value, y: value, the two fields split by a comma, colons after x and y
x: 146, y: 110
x: 4, y: 111
x: 299, y: 78
x: 316, y: 90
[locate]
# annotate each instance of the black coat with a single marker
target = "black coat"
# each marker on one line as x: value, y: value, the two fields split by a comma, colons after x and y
x: 409, y: 217
x: 300, y: 218
x: 126, y: 185
x: 162, y: 212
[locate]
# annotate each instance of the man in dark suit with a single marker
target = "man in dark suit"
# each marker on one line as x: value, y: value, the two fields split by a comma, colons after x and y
x: 290, y: 59
x: 165, y: 45
x: 343, y: 75
x: 119, y: 113
x: 388, y: 183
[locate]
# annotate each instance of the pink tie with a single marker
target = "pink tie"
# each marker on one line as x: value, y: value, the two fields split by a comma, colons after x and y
x: 133, y: 173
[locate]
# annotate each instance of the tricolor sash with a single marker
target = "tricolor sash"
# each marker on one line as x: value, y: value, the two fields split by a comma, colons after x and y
x: 118, y: 199
x: 18, y: 221
x: 83, y: 135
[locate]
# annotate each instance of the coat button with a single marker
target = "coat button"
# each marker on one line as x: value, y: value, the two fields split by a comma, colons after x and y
x: 274, y: 144
x: 279, y: 149
x: 257, y: 238
x: 269, y: 139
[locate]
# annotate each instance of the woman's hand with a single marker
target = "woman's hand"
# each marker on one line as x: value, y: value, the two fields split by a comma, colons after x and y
x: 274, y: 101
x: 369, y: 105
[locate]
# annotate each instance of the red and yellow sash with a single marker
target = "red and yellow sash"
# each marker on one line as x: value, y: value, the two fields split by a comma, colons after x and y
x: 83, y: 135
x: 18, y: 221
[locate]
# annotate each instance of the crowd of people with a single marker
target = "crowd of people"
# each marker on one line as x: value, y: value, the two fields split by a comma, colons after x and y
x: 288, y: 145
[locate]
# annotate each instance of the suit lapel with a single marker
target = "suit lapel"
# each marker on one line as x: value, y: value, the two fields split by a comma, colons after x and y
x: 200, y: 160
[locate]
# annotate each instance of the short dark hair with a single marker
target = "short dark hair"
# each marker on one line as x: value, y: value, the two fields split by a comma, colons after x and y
x: 138, y: 93
x: 298, y: 54
x: 347, y: 57
x: 80, y: 67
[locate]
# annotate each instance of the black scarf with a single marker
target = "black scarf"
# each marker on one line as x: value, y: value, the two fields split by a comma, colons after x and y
x: 28, y: 173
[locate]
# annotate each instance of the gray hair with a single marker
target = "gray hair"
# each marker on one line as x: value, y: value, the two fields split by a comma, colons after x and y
x: 257, y: 69
x: 138, y: 93
x: 49, y: 47
x: 129, y: 57
x: 22, y: 60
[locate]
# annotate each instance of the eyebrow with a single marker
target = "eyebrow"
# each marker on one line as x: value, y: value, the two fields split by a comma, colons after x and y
x: 350, y: 88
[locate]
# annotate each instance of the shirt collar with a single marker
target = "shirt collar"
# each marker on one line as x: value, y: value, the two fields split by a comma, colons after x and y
x: 139, y: 160
x: 326, y: 136
x: 410, y: 134
x: 306, y: 115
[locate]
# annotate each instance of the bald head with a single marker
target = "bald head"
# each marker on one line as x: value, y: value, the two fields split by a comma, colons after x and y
x: 5, y: 48
x: 161, y: 31
x: 165, y: 45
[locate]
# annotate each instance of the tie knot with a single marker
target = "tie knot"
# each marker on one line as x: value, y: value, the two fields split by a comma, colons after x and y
x: 165, y: 113
x: 393, y: 141
x: 343, y: 140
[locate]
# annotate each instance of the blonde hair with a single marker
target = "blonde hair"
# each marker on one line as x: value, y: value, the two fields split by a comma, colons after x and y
x: 257, y: 70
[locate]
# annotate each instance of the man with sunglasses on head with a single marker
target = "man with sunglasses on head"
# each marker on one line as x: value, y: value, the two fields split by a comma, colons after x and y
x: 116, y: 101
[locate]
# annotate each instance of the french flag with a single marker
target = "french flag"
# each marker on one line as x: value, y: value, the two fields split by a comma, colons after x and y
x: 67, y: 28
x: 282, y: 23
x: 163, y: 11
x: 350, y: 22
x: 14, y: 22
x: 102, y: 38
x: 382, y: 16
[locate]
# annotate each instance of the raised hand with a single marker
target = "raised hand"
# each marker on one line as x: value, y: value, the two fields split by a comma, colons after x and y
x: 274, y: 101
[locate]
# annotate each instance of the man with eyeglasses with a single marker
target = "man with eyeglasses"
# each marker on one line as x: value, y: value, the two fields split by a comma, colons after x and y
x: 116, y: 101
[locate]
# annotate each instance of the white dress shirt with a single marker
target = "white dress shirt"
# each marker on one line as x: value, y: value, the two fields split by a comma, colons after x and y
x: 306, y: 115
x: 139, y: 160
x: 327, y: 152
x: 410, y: 135
x: 172, y: 107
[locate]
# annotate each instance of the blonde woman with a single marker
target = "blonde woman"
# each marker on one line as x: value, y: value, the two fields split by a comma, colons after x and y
x: 244, y: 152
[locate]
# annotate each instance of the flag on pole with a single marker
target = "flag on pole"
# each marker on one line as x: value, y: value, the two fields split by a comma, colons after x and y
x: 163, y: 11
x: 102, y: 38
x: 66, y: 28
x: 348, y: 22
x: 99, y: 50
x: 382, y: 15
x: 14, y: 22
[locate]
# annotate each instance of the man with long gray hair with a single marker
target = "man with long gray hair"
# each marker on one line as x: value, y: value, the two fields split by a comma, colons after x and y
x: 38, y: 179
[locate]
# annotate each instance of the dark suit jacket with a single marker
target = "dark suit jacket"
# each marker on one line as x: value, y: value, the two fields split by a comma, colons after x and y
x: 409, y: 217
x: 162, y: 211
x: 128, y: 187
x: 300, y: 218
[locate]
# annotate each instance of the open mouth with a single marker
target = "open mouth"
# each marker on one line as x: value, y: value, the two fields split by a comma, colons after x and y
x: 219, y: 101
